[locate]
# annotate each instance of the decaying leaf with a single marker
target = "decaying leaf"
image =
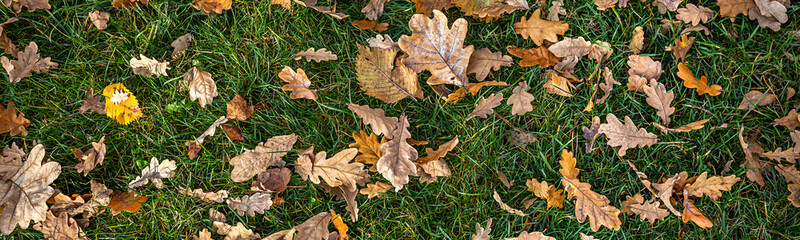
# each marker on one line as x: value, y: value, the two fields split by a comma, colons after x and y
x: 731, y: 8
x: 650, y: 210
x: 12, y: 121
x: 378, y: 78
x: 383, y: 42
x: 237, y: 108
x: 201, y: 86
x: 155, y: 172
x: 127, y: 3
x: 607, y: 86
x: 148, y: 67
x: 682, y: 46
x: 778, y: 154
x: 375, y: 118
x: 538, y: 29
x: 764, y: 21
x: 774, y: 9
x: 520, y: 100
x: 125, y: 201
x: 434, y: 47
x: 203, y: 235
x: 671, y: 5
x: 331, y: 11
x: 397, y: 163
x: 25, y: 193
x: 637, y: 42
x: 218, y: 196
x: 62, y: 227
x: 272, y: 180
x: 92, y: 102
x: 692, y: 213
x: 535, y: 56
x: 181, y: 44
x: 335, y: 171
x: 298, y: 84
x: 99, y: 19
x: 790, y: 121
x: 427, y: 6
x: 660, y: 99
x: 315, y: 227
x: 591, y: 133
x: 266, y: 154
x: 374, y: 9
x: 493, y: 10
x: 520, y: 138
x: 369, y: 147
x: 252, y: 204
x: 439, y: 153
x: 370, y: 25
x: 486, y: 106
x: 625, y: 135
x: 642, y: 69
x: 433, y: 165
x: 376, y: 189
x: 588, y: 203
x: 27, y: 61
x: 89, y: 205
x: 482, y: 233
x: 315, y: 55
x: 506, y: 207
x: 557, y: 84
x: 603, y: 5
x: 525, y: 235
x: 754, y: 98
x: 543, y: 190
x: 694, y: 14
x: 710, y: 186
x: 484, y: 60
x: 690, y: 81
x: 556, y: 8
x: 92, y: 157
x: 32, y: 5
x: 5, y: 42
x: 794, y: 196
x: 685, y: 128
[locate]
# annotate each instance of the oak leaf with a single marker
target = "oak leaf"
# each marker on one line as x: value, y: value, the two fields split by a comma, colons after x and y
x: 298, y: 84
x: 369, y: 147
x: 315, y: 228
x: 287, y: 4
x: 520, y: 100
x: 203, y: 235
x: 315, y: 55
x: 637, y: 42
x: 603, y: 5
x: 650, y: 210
x: 212, y: 6
x: 252, y: 204
x: 127, y: 3
x: 383, y: 42
x: 32, y: 5
x: 12, y: 121
x: 794, y: 195
x: 485, y: 106
x: 497, y: 8
x: 665, y: 191
x: 125, y: 201
x: 588, y: 203
x: 99, y: 19
x: 92, y: 102
x: 439, y: 153
x: 690, y: 81
x: 660, y: 99
x: 375, y: 189
x: 237, y: 108
x: 543, y: 190
x: 61, y: 227
x: 181, y: 44
x: 774, y: 9
x: 538, y: 29
x: 764, y: 21
x: 347, y: 194
x: 88, y: 206
x: 427, y: 6
x: 694, y: 14
x: 11, y: 160
x: 571, y: 47
x: 237, y: 232
x: 472, y: 88
x: 776, y: 155
x: 607, y: 86
x: 375, y: 118
x: 682, y: 46
x: 378, y: 78
x: 218, y: 196
x: 331, y: 11
x: 692, y: 213
x: 671, y: 5
x: 591, y: 133
x: 625, y: 135
x: 731, y: 8
x: 148, y: 67
x: 482, y: 233
x: 335, y: 171
x: 201, y: 86
x: 340, y: 226
x: 484, y: 60
x: 525, y: 235
x: 433, y: 165
x: 287, y: 234
x: 556, y: 8
x: 272, y: 180
x: 212, y: 129
x: 155, y: 172
x: 685, y: 128
x: 374, y: 9
x: 535, y: 56
x: 266, y: 154
x: 370, y: 25
x: 520, y: 138
x: 754, y: 98
x: 711, y: 186
x: 397, y: 163
x: 642, y: 68
x: 434, y: 47
x: 92, y: 157
x: 505, y: 207
x: 558, y: 84
x: 26, y: 191
x: 27, y: 61
x: 790, y: 121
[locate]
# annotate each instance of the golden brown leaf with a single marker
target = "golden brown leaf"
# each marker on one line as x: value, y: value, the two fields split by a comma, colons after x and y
x: 588, y: 203
x: 496, y: 9
x: 439, y: 153
x: 298, y: 84
x: 637, y: 42
x: 252, y: 162
x: 237, y: 108
x: 472, y: 88
x: 682, y: 46
x: 5, y: 42
x: 99, y: 19
x: 203, y: 235
x: 711, y: 186
x: 12, y: 121
x: 434, y: 47
x: 690, y: 81
x: 383, y: 42
x: 543, y: 190
x: 370, y: 25
x: 731, y: 8
x: 27, y: 61
x: 660, y: 99
x: 376, y: 189
x: 125, y: 201
x: 603, y: 5
x: 212, y: 6
x: 485, y: 106
x: 484, y: 60
x: 62, y: 227
x: 557, y: 84
x: 535, y: 56
x: 32, y: 5
x: 794, y: 195
x: 754, y: 98
x: 201, y: 86
x: 694, y: 14
x: 375, y: 118
x: 506, y: 207
x: 625, y: 135
x: 127, y: 3
x: 790, y: 121
x: 315, y: 55
x: 397, y: 163
x: 287, y: 4
x: 690, y: 212
x: 233, y: 132
x: 315, y: 227
x: 520, y: 100
x: 27, y: 190
x: 335, y: 171
x: 378, y: 78
x: 218, y: 196
x: 369, y: 147
x: 539, y: 29
x: 192, y: 149
x: 779, y: 154
x: 92, y: 157
x: 427, y: 6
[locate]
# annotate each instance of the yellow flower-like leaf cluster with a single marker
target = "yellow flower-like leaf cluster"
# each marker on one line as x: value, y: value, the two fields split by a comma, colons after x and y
x: 121, y: 105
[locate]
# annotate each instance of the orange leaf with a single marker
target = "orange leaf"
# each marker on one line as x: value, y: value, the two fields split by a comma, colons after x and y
x: 535, y: 56
x: 125, y: 201
x: 370, y: 25
x: 690, y: 81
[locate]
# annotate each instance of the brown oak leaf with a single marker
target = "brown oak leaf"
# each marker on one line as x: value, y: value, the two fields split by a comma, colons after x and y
x: 710, y: 186
x: 266, y: 154
x: 427, y: 6
x: 625, y: 135
x: 212, y: 6
x: 28, y: 61
x: 298, y: 84
x: 642, y: 68
x: 539, y: 29
x: 154, y: 172
x: 92, y: 102
x: 252, y: 204
x: 237, y: 108
x: 682, y: 46
x: 607, y: 86
x: 558, y: 84
x: 125, y: 201
x: 520, y: 100
x: 758, y: 98
x: 505, y: 206
x: 660, y: 99
x: 588, y: 204
x: 32, y: 5
x: 690, y: 81
x: 27, y: 190
x: 397, y: 163
x: 12, y: 121
x: 543, y: 190
x: 330, y: 10
x: 61, y: 227
x: 434, y: 47
x: 369, y: 147
x: 92, y: 157
x: 374, y: 9
x: 233, y: 132
x: 181, y: 44
x: 375, y: 118
x: 535, y: 56
x: 485, y: 106
x: 375, y: 189
x: 370, y: 25
x: 335, y: 171
x: 637, y: 42
x: 315, y: 228
x: 378, y: 78
x: 274, y: 180
x: 383, y: 42
x: 692, y: 213
x: 484, y: 60
x: 694, y: 14
x: 315, y: 55
x: 603, y: 5
x: 99, y: 19
x: 685, y: 128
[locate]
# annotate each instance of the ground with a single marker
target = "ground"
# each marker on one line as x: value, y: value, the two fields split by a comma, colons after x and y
x: 245, y: 48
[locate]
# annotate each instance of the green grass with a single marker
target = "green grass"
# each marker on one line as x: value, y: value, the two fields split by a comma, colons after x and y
x: 246, y: 47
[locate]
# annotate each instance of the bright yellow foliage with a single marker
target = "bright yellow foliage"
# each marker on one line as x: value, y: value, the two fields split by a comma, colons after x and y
x: 121, y: 105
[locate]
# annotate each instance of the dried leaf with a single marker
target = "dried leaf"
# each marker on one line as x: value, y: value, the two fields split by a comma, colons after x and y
x: 671, y: 5
x: 92, y: 102
x: 486, y: 105
x: 99, y: 19
x: 694, y: 14
x: 600, y: 51
x: 266, y: 154
x: 376, y: 189
x: 210, y: 131
x: 331, y: 11
x: 625, y: 135
x: 642, y: 68
x: 754, y: 98
x: 543, y: 190
x: 27, y: 61
x: 427, y: 6
x: 5, y: 42
x: 690, y: 81
x: 774, y: 9
x: 378, y: 78
x: 125, y: 201
x: 520, y: 138
x: 649, y: 210
x: 315, y: 227
x: 340, y: 226
x: 637, y: 42
x: 375, y: 118
x: 484, y: 60
x: 660, y: 99
x: 272, y: 180
x: 370, y: 25
x: 287, y: 234
x: 571, y: 47
x: 92, y: 157
x: 496, y: 9
x: 682, y: 46
x: 535, y: 56
x: 201, y: 86
x: 603, y: 5
x: 556, y: 8
x: 148, y: 67
x: 539, y: 29
x: 287, y: 4
x: 32, y: 5
x: 794, y: 195
x: 369, y: 147
x: 12, y: 121
x: 127, y: 3
x: 181, y: 44
x: 212, y: 6
x: 26, y: 192
x: 61, y: 227
x: 482, y: 233
x: 790, y: 121
x: 434, y: 47
x: 373, y: 10
x: 237, y: 108
x: 237, y: 232
x: 607, y: 86
x: 685, y: 128
x: 335, y: 171
x: 591, y: 133
x: 506, y: 207
x: 251, y: 204
x: 439, y: 153
x: 315, y: 55
x: 397, y: 163
x: 472, y: 88
x: 520, y: 100
x: 155, y: 172
x: 557, y: 84
x: 697, y: 28
x: 584, y: 236
x: 524, y: 235
x: 383, y: 42
x: 218, y: 196
x: 203, y: 235
x: 763, y: 21
x: 298, y: 84
x: 712, y: 186
x: 588, y: 203
x: 690, y: 212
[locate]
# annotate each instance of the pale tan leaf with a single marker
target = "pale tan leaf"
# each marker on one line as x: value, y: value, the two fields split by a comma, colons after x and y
x: 754, y: 98
x: 630, y: 201
x: 287, y: 234
x: 26, y: 192
x: 99, y: 19
x: 27, y: 61
x: 607, y: 86
x: 252, y: 162
x: 637, y: 42
x: 181, y: 44
x: 506, y: 207
x: 660, y: 99
x: 203, y: 235
x: 486, y: 106
x: 484, y: 60
x: 429, y: 171
x: 212, y: 6
x: 685, y: 128
x: 600, y: 51
x: 251, y: 204
x: 520, y: 100
x: 539, y: 30
x: 155, y: 172
x: 287, y: 4
x: 584, y: 236
x: 434, y: 47
x: 335, y: 171
x: 378, y: 78
x: 794, y: 196
x: 348, y: 195
x: 298, y: 84
x: 148, y: 67
x: 650, y: 210
x: 62, y: 227
x: 763, y: 21
x: 482, y: 233
x: 543, y: 190
x: 397, y: 163
x: 671, y: 5
x: 315, y: 55
x: 603, y: 5
x: 88, y: 208
x: 697, y: 28
x: 237, y: 232
x: 92, y: 102
x: 790, y: 121
x: 201, y: 86
x: 218, y: 196
x: 376, y: 119
x: 625, y: 135
x: 665, y: 192
x: 556, y: 8
x: 315, y: 227
x: 383, y: 42
x: 694, y: 14
x: 520, y: 138
x: 441, y: 152
x: 571, y: 47
x: 642, y: 68
x: 212, y: 129
x: 774, y: 9
x: 32, y: 5
x: 711, y: 186
x: 497, y: 9
x: 92, y: 157
x: 374, y: 9
x: 331, y: 11
x: 375, y: 189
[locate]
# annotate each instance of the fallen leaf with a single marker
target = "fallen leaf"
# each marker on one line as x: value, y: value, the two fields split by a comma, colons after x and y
x: 287, y: 4
x: 148, y: 67
x: 237, y: 232
x: 61, y: 227
x: 370, y: 25
x: 373, y: 10
x: 571, y: 47
x: 774, y: 9
x: 287, y: 234
x: 315, y: 55
x: 754, y: 98
x: 5, y: 42
x: 99, y: 19
x: 690, y: 81
x: 27, y: 61
x: 600, y: 51
x: 252, y: 204
x: 520, y: 138
x: 375, y: 118
x: 506, y: 207
x: 557, y: 84
x: 731, y: 8
x: 272, y: 180
x: 764, y: 21
x: 335, y: 171
x: 439, y: 153
x: 203, y: 235
x: 790, y: 121
x: 685, y: 128
x: 556, y: 8
x: 211, y: 130
x: 127, y: 3
x: 543, y: 190
x: 397, y: 163
x: 535, y: 56
x: 588, y: 203
x: 298, y: 84
x: 525, y: 235
x: 690, y: 212
x: 237, y: 108
x: 637, y: 42
x: 155, y: 172
x: 92, y: 157
x: 121, y: 105
x: 642, y: 68
x: 671, y: 5
x: 625, y: 135
x: 661, y: 100
x: 520, y: 100
x: 32, y: 5
x: 125, y: 201
x: 697, y: 28
x: 603, y: 5
x: 694, y: 14
x: 348, y: 195
x: 340, y: 226
x: 233, y: 132
x: 484, y: 60
x: 181, y: 44
x: 383, y: 42
x: 212, y: 6
x: 376, y: 189
x: 218, y: 196
x: 92, y: 102
x: 591, y: 133
x: 538, y: 29
x: 649, y: 210
x: 496, y: 9
x: 201, y: 86
x: 482, y: 233
x: 12, y: 121
x: 584, y: 236
x: 682, y: 46
x: 607, y: 86
x: 434, y: 47
x: 378, y: 78
x: 794, y: 195
x: 486, y: 105
x: 711, y: 186
x: 472, y: 88
x: 331, y: 11
x: 266, y: 154
x: 427, y: 6
x: 27, y: 190
x: 315, y: 227
x: 369, y: 147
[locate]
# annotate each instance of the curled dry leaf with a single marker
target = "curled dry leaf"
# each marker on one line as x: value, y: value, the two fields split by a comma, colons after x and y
x: 642, y: 68
x: 370, y: 25
x: 375, y: 189
x: 397, y: 163
x: 587, y: 202
x: 376, y: 119
x: 287, y: 4
x: 774, y: 9
x: 637, y: 42
x: 92, y: 102
x: 690, y: 81
x: 212, y: 6
x: 427, y: 6
x: 218, y: 196
x: 731, y: 8
x: 61, y: 227
x: 273, y: 180
x: 682, y: 46
x: 790, y: 121
x: 660, y: 99
x: 315, y: 227
x: 211, y: 129
x: 591, y: 133
x: 694, y: 14
x: 331, y: 11
x: 347, y: 194
x: 315, y: 55
x: 625, y: 135
x: 557, y: 84
x: 539, y: 30
x: 201, y: 86
x: 378, y: 78
x: 520, y: 100
x: 535, y: 56
x: 482, y: 233
x: 692, y: 213
x: 764, y: 21
x: 125, y: 201
x: 374, y: 9
x: 148, y: 67
x: 484, y: 60
x: 383, y: 42
x: 603, y: 5
x: 32, y: 5
x: 433, y: 165
x: 181, y: 44
x: 5, y: 42
x: 27, y: 190
x: 92, y: 157
x: 340, y: 226
x: 298, y: 84
x: 27, y: 61
x: 155, y: 172
x: 252, y: 204
x: 266, y: 154
x: 99, y: 19
x: 506, y: 207
x: 472, y: 88
x: 685, y: 128
x: 335, y: 171
x: 237, y: 108
x: 754, y: 98
x: 434, y: 47
x: 486, y: 106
